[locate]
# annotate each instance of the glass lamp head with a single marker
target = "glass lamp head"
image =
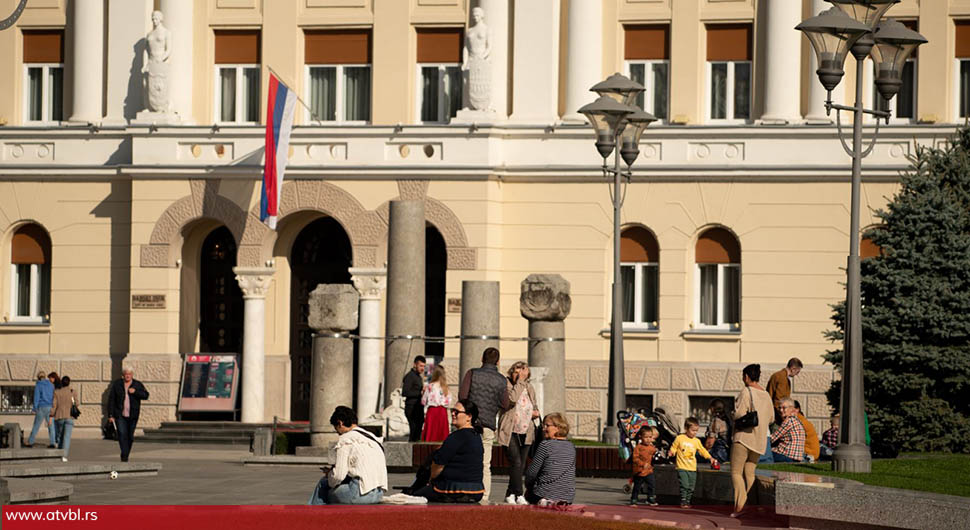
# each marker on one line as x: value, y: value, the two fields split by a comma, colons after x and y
x: 606, y: 115
x: 637, y: 122
x: 868, y: 12
x: 832, y: 34
x: 619, y: 87
x: 894, y: 43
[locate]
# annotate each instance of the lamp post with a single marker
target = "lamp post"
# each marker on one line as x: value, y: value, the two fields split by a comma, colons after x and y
x: 618, y: 125
x: 857, y: 26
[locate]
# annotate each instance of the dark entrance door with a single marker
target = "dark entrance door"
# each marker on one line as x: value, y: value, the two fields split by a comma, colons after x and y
x: 435, y: 270
x: 221, y: 302
x: 321, y: 254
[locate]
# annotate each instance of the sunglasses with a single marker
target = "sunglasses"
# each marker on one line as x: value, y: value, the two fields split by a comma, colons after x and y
x: 455, y: 412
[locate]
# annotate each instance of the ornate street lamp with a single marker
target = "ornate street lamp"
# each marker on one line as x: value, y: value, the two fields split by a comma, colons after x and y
x: 854, y: 25
x: 618, y: 125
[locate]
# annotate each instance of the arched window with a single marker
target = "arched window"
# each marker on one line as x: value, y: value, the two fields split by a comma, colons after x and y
x: 868, y: 249
x: 717, y: 281
x: 30, y: 258
x: 640, y: 276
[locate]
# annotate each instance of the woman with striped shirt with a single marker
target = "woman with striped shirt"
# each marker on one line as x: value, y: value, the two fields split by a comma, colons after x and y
x: 551, y: 477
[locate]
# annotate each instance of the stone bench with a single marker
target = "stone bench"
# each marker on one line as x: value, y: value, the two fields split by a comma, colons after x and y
x: 14, y: 456
x: 38, y: 491
x: 71, y: 471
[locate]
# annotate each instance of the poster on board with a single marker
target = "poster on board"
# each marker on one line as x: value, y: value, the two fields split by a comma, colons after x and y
x: 209, y: 382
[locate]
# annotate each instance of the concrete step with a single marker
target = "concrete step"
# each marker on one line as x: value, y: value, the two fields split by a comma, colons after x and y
x: 196, y: 438
x: 212, y: 425
x: 38, y: 491
x: 199, y: 432
x: 11, y: 456
x: 79, y: 471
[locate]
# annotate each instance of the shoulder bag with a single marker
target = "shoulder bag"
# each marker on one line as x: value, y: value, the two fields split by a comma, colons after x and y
x: 750, y: 419
x: 75, y: 412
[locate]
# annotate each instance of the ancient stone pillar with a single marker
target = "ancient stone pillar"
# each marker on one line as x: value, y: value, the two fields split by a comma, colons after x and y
x: 370, y: 283
x: 545, y: 303
x: 333, y: 313
x: 253, y: 282
x: 479, y: 319
x: 405, y: 291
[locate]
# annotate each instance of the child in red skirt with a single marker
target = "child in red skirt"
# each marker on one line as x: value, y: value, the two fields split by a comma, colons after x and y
x: 437, y: 400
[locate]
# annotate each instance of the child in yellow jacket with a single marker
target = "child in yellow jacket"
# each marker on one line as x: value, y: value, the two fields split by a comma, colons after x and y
x: 685, y: 447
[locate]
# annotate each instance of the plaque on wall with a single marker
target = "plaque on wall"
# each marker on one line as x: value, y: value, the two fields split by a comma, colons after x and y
x: 454, y: 305
x: 209, y: 383
x: 148, y: 301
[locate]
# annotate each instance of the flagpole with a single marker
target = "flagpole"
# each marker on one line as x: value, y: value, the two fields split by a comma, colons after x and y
x: 295, y: 93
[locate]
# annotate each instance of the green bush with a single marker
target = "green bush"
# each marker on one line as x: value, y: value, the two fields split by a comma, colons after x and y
x: 926, y: 426
x: 282, y: 443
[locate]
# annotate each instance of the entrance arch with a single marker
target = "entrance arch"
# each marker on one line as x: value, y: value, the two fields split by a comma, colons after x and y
x: 321, y: 253
x: 435, y: 271
x: 220, y: 299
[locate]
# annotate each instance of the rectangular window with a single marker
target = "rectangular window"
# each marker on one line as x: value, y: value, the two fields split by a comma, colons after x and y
x: 339, y: 75
x: 439, y: 76
x: 719, y: 296
x: 641, y: 300
x: 43, y: 76
x: 29, y: 297
x: 16, y: 399
x: 729, y: 72
x: 237, y: 93
x: 962, y: 55
x: 648, y: 63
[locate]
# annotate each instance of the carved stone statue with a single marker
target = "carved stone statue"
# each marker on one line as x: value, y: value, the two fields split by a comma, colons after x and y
x: 158, y: 48
x: 475, y: 61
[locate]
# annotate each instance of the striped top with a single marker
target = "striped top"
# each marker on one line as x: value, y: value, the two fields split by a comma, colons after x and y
x: 552, y: 472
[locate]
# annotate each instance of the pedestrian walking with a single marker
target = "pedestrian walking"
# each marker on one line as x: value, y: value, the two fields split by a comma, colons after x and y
x: 43, y: 401
x: 124, y: 405
x: 750, y: 441
x: 64, y: 401
x: 488, y: 389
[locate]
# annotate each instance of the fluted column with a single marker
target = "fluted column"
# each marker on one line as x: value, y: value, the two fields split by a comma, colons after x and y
x: 178, y: 20
x: 584, y: 56
x: 782, y: 67
x: 535, y: 61
x: 254, y: 282
x: 370, y: 283
x: 86, y: 56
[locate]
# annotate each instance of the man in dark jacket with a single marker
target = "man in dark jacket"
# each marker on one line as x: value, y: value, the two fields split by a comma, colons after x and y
x: 411, y: 389
x: 124, y: 405
x: 487, y: 388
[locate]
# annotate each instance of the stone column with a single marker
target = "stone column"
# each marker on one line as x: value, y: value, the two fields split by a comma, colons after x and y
x: 537, y: 376
x: 497, y: 18
x: 584, y: 56
x: 333, y: 313
x: 370, y: 283
x: 535, y: 60
x: 86, y: 56
x: 405, y: 291
x: 178, y: 20
x: 545, y: 303
x: 783, y: 87
x: 128, y: 23
x: 479, y: 318
x: 253, y: 282
x: 816, y: 92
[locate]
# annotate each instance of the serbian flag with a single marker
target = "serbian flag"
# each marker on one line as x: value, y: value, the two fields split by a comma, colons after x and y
x: 279, y: 122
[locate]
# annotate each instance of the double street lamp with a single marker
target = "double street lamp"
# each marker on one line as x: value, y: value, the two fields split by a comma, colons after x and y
x: 618, y: 124
x: 857, y: 26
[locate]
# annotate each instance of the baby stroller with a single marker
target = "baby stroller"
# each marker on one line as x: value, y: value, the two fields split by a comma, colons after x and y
x: 630, y: 423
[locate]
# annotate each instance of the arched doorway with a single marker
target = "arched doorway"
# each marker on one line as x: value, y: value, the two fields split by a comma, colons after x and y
x: 321, y: 254
x: 435, y: 270
x: 220, y: 300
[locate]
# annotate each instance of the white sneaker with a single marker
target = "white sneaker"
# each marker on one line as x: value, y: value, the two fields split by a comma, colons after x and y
x: 510, y: 499
x: 521, y: 500
x: 63, y: 459
x: 545, y: 502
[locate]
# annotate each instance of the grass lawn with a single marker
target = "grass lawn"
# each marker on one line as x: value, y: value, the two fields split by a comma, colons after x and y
x: 937, y: 473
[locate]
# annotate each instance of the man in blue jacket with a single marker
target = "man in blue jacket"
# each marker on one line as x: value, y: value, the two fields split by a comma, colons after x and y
x: 43, y: 401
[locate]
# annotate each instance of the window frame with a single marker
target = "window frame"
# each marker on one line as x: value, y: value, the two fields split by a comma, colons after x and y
x: 638, y: 323
x: 419, y: 90
x: 648, y: 83
x: 339, y: 108
x: 894, y: 103
x: 45, y: 108
x: 36, y: 288
x: 729, y: 96
x: 217, y: 93
x: 721, y: 325
x: 957, y: 78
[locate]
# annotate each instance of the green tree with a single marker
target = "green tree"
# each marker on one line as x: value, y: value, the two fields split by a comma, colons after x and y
x: 916, y: 307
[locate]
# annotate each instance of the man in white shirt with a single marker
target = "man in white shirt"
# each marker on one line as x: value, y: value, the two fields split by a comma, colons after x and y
x: 359, y: 472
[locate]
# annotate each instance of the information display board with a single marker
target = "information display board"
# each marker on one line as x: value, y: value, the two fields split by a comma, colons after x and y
x: 209, y: 382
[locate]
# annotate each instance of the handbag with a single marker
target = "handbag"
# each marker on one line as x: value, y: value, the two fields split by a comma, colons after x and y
x: 750, y: 419
x: 75, y: 412
x: 537, y: 425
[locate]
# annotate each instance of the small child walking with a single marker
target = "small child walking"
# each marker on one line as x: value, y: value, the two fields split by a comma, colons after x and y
x: 643, y: 466
x: 686, y: 446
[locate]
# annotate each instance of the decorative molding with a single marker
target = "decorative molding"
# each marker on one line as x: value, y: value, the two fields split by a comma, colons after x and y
x: 203, y: 202
x: 413, y: 189
x: 463, y: 259
x: 254, y: 281
x: 370, y: 282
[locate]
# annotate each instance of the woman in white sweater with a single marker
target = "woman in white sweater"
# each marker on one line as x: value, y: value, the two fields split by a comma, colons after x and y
x: 359, y: 472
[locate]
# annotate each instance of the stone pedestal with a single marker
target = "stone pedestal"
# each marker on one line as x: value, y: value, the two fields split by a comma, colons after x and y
x: 370, y: 283
x: 333, y: 313
x: 480, y: 117
x: 405, y: 291
x: 479, y: 318
x: 147, y: 117
x: 253, y: 282
x: 545, y: 303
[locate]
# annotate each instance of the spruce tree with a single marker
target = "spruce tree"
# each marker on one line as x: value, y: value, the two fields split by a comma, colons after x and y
x: 916, y: 307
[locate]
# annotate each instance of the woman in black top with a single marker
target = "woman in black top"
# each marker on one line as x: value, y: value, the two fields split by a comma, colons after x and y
x: 456, y: 467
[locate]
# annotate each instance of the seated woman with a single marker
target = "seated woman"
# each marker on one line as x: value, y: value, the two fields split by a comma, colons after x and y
x: 456, y: 467
x: 359, y: 472
x: 551, y: 477
x: 788, y: 442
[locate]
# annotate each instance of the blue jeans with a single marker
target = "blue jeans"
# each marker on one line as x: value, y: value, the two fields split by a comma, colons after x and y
x: 346, y: 493
x: 64, y: 429
x: 779, y: 458
x: 766, y: 456
x: 42, y: 415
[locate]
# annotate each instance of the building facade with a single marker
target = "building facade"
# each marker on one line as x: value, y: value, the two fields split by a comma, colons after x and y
x: 126, y: 236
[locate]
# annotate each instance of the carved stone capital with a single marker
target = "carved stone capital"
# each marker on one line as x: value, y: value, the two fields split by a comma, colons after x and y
x: 545, y: 297
x: 370, y: 282
x: 254, y: 281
